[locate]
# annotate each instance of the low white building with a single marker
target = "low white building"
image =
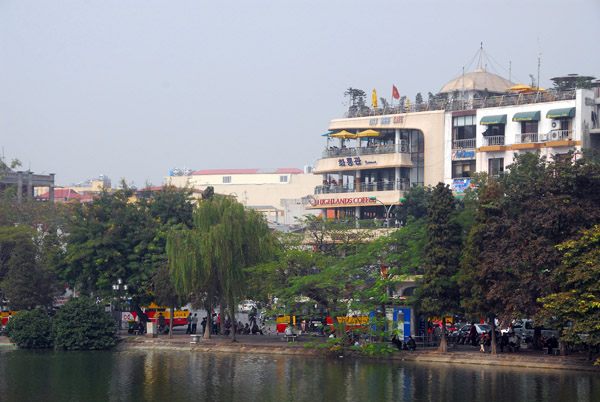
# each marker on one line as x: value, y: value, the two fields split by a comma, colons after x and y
x: 280, y: 194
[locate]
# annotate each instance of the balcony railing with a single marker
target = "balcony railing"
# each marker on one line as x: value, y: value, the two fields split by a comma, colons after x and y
x: 400, y: 185
x: 493, y: 140
x: 554, y: 135
x: 463, y: 144
x: 525, y: 138
x: 358, y: 151
x: 459, y: 104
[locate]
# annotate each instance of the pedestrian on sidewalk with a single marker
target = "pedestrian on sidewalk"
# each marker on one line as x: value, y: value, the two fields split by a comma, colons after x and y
x: 203, y: 323
x: 194, y: 323
x: 189, y: 322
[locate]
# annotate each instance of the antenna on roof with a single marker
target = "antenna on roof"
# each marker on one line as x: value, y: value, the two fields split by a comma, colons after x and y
x: 539, y: 61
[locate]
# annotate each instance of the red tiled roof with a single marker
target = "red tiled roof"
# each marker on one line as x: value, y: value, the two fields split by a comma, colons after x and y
x: 67, y: 194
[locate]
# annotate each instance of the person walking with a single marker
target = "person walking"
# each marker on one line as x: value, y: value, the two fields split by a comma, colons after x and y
x: 194, y: 323
x: 161, y: 323
x: 203, y: 323
x: 189, y: 323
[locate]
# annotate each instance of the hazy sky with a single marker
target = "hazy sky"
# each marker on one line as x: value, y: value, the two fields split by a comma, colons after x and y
x: 134, y: 88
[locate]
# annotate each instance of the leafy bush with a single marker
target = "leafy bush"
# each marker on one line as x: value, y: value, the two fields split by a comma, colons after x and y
x: 83, y: 325
x: 31, y: 330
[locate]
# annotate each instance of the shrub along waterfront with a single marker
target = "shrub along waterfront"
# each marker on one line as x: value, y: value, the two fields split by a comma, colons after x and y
x: 80, y: 324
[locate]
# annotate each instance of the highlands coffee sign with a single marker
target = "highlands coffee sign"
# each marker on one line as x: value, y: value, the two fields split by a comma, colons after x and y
x: 326, y: 202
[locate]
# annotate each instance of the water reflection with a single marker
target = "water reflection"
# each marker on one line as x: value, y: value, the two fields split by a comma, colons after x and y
x: 185, y: 376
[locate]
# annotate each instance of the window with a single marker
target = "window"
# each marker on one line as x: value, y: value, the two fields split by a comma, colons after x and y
x: 462, y: 169
x: 226, y: 179
x: 495, y: 166
x: 283, y: 179
x: 463, y: 127
x: 529, y: 127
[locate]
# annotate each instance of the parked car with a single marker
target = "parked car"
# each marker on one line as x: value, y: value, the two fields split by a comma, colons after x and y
x: 524, y: 328
x: 246, y: 306
x: 460, y: 336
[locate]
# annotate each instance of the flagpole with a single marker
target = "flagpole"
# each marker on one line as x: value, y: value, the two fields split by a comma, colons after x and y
x: 392, y: 97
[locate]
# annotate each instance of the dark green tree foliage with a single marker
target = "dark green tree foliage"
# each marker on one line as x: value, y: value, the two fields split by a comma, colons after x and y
x: 208, y: 193
x: 170, y: 206
x: 114, y: 238
x: 31, y: 330
x: 477, y: 298
x: 30, y: 241
x: 539, y: 208
x: 414, y: 205
x: 81, y: 324
x: 439, y: 293
x: 25, y: 279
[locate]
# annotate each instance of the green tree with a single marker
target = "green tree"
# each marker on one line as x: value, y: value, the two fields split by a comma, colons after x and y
x: 31, y: 330
x: 477, y: 299
x: 110, y: 239
x: 27, y: 283
x: 537, y: 206
x: 115, y: 238
x: 209, y: 259
x: 81, y: 324
x: 414, y: 204
x: 439, y: 294
x: 575, y: 306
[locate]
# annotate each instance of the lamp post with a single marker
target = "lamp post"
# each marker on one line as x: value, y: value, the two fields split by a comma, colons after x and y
x: 118, y: 287
x: 387, y: 213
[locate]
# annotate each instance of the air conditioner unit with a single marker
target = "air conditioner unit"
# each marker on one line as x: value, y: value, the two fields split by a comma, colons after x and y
x: 543, y: 137
x: 403, y: 146
x: 554, y: 135
x: 555, y: 124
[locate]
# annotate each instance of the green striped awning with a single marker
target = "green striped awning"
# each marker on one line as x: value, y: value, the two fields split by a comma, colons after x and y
x: 487, y: 120
x: 527, y: 116
x: 558, y: 113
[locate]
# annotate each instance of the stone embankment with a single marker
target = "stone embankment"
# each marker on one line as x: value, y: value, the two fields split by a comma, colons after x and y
x: 274, y: 345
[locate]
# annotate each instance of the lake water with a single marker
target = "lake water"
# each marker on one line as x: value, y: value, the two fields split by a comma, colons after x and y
x: 185, y: 376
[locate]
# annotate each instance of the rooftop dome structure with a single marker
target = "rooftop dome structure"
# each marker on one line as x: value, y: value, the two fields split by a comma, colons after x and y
x: 477, y: 80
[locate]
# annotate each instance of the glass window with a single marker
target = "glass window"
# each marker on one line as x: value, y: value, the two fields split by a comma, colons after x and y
x: 462, y: 169
x: 529, y: 127
x: 283, y: 179
x: 495, y: 166
x: 226, y: 179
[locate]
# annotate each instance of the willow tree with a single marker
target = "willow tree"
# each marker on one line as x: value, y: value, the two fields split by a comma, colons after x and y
x: 210, y: 258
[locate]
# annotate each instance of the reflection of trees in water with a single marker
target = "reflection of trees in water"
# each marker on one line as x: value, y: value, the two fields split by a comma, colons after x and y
x: 190, y: 375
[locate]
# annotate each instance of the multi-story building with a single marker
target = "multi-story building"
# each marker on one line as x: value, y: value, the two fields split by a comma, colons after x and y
x: 486, y: 139
x: 372, y: 158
